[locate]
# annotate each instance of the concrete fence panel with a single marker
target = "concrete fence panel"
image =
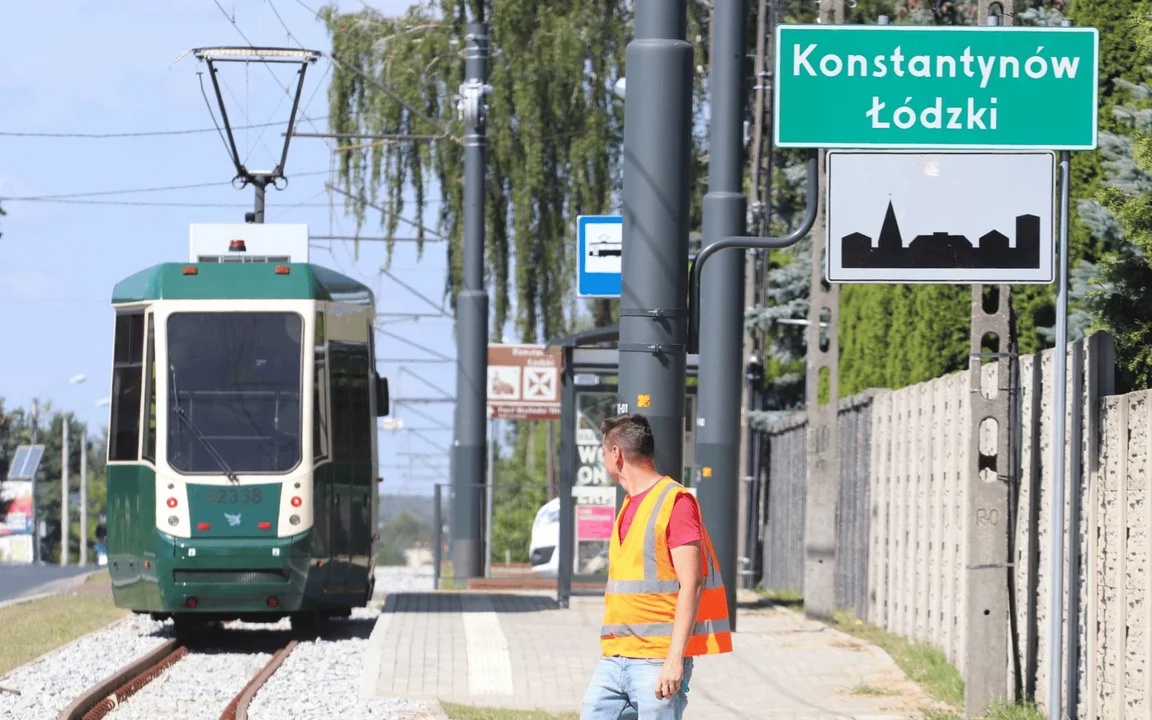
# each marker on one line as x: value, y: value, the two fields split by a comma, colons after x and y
x: 784, y: 527
x: 916, y: 549
x: 902, y: 527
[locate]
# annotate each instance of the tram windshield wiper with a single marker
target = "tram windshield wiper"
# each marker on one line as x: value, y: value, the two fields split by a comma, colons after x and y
x: 207, y: 445
x: 199, y: 435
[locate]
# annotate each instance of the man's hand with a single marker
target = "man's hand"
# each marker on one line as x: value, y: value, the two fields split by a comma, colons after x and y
x: 668, y: 683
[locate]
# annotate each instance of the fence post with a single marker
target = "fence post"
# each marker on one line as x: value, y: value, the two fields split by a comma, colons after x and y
x: 986, y: 645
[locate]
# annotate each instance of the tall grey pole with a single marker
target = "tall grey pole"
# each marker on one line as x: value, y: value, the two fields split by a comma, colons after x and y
x: 84, y: 497
x: 471, y: 318
x: 722, y: 283
x: 654, y: 282
x: 35, y: 504
x: 1059, y: 401
x: 64, y: 490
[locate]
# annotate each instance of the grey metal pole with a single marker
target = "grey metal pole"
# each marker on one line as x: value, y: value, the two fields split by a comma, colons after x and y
x: 471, y: 317
x: 260, y: 184
x: 1059, y: 402
x: 438, y: 522
x: 566, y: 543
x: 722, y: 317
x: 35, y: 504
x: 84, y: 497
x: 654, y: 282
x: 64, y: 490
x: 490, y: 496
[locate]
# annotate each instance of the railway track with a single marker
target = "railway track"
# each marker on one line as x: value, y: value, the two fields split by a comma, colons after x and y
x: 106, y: 696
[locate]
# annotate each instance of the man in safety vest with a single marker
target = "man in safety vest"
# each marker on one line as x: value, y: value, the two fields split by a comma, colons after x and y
x: 665, y: 600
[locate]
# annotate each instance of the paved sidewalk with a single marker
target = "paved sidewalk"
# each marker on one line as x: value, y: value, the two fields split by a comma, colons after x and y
x: 521, y: 651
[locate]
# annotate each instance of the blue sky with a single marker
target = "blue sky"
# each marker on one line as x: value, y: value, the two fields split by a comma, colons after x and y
x: 84, y: 67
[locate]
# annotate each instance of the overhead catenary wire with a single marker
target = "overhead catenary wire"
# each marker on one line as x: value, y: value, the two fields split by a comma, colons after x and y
x: 418, y: 346
x: 368, y: 203
x: 130, y: 191
x: 138, y: 133
x: 412, y: 290
x: 425, y: 381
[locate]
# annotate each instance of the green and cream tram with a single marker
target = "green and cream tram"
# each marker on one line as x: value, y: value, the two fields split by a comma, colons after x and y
x: 242, y: 458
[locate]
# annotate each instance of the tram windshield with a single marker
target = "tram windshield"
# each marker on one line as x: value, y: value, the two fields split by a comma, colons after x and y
x: 236, y: 378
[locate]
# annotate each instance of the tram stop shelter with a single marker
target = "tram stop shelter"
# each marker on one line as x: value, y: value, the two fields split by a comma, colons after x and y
x: 590, y: 368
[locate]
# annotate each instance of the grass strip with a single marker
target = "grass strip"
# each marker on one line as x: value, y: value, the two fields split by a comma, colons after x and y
x: 34, y: 628
x: 784, y: 598
x: 468, y: 712
x: 929, y: 668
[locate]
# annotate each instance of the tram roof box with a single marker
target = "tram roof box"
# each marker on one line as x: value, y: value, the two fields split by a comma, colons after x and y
x: 249, y: 242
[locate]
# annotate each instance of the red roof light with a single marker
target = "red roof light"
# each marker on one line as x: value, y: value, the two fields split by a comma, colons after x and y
x: 237, y: 246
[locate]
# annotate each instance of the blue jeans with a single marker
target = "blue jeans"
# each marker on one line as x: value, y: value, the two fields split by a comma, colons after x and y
x: 625, y: 689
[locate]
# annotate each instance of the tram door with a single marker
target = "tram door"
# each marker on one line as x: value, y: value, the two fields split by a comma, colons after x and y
x: 352, y: 426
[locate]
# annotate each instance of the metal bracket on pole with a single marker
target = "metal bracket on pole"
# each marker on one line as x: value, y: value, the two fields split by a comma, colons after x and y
x: 751, y: 243
x: 471, y: 104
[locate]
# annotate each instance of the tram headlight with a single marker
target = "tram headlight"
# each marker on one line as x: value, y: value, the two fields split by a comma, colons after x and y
x: 295, y: 520
x: 173, y: 520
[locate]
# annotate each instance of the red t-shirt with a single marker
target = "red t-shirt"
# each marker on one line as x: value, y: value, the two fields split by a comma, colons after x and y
x: 683, y: 527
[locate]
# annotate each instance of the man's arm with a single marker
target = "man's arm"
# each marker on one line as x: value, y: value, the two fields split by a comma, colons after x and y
x: 684, y: 542
x: 686, y: 560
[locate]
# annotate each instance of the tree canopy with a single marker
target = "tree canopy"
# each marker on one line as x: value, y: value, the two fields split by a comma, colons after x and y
x: 554, y: 131
x: 15, y: 430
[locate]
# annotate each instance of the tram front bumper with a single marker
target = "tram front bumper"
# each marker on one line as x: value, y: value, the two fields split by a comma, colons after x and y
x: 234, y: 575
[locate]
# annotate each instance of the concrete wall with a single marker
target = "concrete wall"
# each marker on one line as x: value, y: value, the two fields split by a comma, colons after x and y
x: 903, y: 478
x: 784, y: 511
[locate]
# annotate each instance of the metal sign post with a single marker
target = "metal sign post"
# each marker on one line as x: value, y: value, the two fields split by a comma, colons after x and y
x: 1059, y: 402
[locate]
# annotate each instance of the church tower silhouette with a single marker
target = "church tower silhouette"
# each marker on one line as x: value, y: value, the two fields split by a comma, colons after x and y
x: 890, y: 240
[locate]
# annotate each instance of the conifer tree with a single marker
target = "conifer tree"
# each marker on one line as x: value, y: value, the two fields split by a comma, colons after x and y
x: 1117, y: 290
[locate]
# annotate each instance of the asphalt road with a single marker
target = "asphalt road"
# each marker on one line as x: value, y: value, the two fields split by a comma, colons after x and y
x: 19, y: 580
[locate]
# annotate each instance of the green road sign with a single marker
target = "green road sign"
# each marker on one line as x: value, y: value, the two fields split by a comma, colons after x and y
x: 906, y: 86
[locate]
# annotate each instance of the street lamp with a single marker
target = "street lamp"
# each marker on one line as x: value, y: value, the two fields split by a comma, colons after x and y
x: 35, y: 417
x: 35, y: 414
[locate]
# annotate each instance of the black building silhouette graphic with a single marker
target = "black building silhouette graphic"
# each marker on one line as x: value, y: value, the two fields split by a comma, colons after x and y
x: 943, y: 250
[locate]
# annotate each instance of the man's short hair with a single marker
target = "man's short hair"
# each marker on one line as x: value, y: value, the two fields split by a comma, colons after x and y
x: 632, y: 433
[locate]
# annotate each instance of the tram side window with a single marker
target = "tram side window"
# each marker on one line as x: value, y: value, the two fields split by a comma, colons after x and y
x: 148, y: 452
x: 127, y: 366
x: 320, y: 394
x: 351, y: 411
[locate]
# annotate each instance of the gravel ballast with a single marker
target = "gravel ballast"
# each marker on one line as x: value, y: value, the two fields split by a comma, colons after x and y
x: 321, y: 678
x: 54, y: 681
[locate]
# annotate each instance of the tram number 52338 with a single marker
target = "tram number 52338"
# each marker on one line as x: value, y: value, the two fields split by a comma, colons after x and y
x: 232, y: 496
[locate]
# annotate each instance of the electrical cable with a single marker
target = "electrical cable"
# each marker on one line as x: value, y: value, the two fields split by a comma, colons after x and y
x: 65, y: 196
x: 137, y: 134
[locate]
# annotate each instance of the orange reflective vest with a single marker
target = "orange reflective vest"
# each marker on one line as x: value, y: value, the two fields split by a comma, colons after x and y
x: 640, y: 596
